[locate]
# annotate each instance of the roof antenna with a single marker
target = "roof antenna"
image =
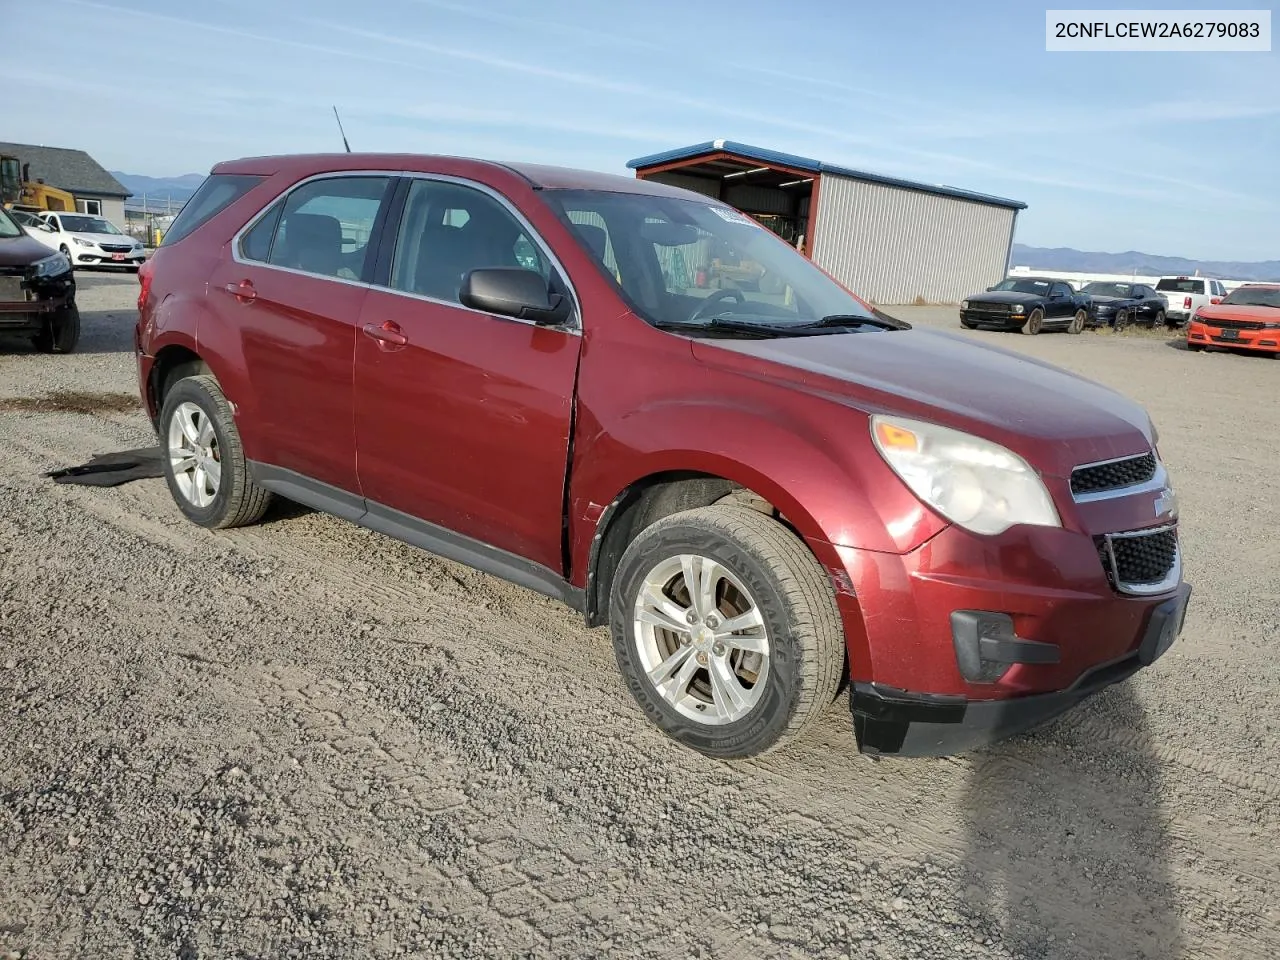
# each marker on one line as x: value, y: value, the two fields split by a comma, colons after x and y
x: 340, y: 130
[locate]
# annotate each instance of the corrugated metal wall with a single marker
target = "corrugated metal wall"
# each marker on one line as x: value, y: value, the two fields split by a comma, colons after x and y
x: 893, y: 245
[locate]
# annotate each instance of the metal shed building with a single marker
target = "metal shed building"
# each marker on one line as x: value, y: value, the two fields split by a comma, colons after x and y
x: 887, y: 239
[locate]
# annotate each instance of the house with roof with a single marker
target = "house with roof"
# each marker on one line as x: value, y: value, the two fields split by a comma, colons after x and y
x: 96, y: 191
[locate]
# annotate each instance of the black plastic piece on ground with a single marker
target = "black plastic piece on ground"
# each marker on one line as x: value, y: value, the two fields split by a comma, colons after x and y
x: 113, y: 469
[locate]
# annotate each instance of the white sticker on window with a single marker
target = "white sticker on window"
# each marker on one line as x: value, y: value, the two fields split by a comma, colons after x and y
x: 733, y: 216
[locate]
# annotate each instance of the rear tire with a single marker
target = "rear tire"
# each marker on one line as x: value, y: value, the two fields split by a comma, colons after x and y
x: 204, y: 462
x: 727, y: 692
x: 61, y: 331
x: 1033, y: 323
x: 1078, y: 322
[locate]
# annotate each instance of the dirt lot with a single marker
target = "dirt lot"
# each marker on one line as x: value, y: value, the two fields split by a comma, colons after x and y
x: 306, y: 740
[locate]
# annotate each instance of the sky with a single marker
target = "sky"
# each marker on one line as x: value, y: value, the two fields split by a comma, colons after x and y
x: 1166, y: 153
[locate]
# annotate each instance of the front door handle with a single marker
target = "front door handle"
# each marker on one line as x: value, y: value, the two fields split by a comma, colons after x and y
x: 387, y: 333
x: 242, y: 291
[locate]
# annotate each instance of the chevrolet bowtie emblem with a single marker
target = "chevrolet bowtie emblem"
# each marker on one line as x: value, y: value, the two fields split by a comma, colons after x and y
x: 1166, y: 503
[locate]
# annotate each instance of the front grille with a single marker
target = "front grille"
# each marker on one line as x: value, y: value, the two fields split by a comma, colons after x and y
x: 1230, y: 339
x: 1137, y: 560
x: 994, y: 308
x: 1114, y: 475
x: 1234, y: 324
x: 115, y: 247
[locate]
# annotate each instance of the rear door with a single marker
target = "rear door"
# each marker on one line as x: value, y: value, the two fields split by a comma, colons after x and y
x: 290, y: 296
x: 463, y: 418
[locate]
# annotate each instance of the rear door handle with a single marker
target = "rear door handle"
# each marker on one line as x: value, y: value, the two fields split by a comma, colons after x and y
x: 387, y: 333
x: 242, y: 291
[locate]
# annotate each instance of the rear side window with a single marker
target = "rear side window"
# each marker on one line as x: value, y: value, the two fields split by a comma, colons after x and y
x: 326, y: 226
x: 1185, y: 285
x: 218, y: 192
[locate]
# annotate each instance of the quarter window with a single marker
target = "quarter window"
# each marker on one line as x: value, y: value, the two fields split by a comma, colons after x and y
x: 256, y: 243
x: 326, y: 225
x: 449, y: 230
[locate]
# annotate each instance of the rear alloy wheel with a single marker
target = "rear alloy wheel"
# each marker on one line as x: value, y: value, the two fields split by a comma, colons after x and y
x: 1161, y: 321
x: 1034, y: 323
x: 204, y: 463
x: 61, y: 331
x: 1077, y: 322
x: 726, y: 631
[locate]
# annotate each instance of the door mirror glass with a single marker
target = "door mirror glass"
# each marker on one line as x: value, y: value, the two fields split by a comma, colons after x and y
x: 513, y: 292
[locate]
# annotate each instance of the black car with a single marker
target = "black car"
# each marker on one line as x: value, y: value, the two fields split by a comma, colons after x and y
x: 37, y: 291
x: 1029, y: 304
x: 1120, y: 304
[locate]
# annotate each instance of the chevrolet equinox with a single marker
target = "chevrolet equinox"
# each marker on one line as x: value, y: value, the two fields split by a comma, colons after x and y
x: 771, y: 492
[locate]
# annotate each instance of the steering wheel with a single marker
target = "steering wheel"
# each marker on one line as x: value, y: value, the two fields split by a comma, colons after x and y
x: 717, y: 297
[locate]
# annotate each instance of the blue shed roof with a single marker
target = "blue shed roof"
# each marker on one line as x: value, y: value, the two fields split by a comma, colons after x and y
x: 812, y: 166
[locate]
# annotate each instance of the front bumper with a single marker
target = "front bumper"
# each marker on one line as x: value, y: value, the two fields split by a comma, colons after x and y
x: 1262, y: 341
x: 897, y: 722
x: 102, y: 258
x: 48, y: 296
x: 996, y: 321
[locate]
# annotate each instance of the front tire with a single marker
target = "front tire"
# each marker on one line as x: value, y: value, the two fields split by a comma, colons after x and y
x: 204, y: 462
x: 61, y: 332
x: 726, y: 631
x: 1078, y: 322
x: 1033, y: 323
x: 1122, y: 320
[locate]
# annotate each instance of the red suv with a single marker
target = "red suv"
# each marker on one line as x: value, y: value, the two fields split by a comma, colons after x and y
x: 764, y: 490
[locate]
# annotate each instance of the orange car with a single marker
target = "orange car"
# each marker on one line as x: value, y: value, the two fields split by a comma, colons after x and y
x: 1248, y: 318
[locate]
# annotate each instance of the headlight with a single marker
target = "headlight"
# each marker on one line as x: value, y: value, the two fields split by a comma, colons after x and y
x: 81, y: 243
x: 1104, y: 307
x: 1018, y: 308
x: 51, y: 266
x: 972, y: 482
x: 964, y: 304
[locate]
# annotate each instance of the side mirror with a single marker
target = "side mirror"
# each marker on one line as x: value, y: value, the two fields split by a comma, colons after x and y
x: 513, y: 292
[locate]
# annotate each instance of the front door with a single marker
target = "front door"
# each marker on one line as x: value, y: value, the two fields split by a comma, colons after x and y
x: 1061, y: 304
x: 463, y: 418
x: 288, y: 303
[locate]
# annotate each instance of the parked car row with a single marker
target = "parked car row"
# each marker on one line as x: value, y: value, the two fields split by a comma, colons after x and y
x: 1034, y: 304
x: 85, y: 239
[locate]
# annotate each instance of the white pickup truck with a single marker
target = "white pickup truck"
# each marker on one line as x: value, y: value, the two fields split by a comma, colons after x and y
x: 1186, y: 295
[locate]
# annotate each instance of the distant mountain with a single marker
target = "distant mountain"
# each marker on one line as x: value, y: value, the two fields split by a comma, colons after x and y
x: 1143, y: 264
x: 176, y: 190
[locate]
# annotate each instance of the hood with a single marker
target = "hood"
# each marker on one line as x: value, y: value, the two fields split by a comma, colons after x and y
x: 1232, y: 311
x: 116, y: 239
x: 1108, y: 301
x: 21, y: 251
x: 1053, y: 418
x: 1004, y: 296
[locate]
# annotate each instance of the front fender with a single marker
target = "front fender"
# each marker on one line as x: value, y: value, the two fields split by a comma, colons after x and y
x: 826, y: 478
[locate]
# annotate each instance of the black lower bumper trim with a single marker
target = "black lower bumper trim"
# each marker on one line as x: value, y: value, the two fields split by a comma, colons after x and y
x: 898, y: 722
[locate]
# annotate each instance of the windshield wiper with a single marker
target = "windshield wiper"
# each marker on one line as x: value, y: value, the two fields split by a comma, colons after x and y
x: 879, y: 320
x: 732, y: 325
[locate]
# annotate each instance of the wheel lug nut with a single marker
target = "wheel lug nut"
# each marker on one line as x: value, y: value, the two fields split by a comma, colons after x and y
x: 702, y: 659
x: 713, y: 621
x: 718, y: 649
x: 691, y: 617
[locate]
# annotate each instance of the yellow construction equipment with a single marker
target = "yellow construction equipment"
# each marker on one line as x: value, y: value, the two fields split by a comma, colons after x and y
x: 19, y: 191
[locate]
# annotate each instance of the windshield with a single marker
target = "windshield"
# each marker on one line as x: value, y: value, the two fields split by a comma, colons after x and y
x: 679, y: 261
x: 1181, y: 286
x: 1037, y: 287
x: 75, y: 224
x: 1122, y: 290
x: 1254, y: 297
x: 8, y: 226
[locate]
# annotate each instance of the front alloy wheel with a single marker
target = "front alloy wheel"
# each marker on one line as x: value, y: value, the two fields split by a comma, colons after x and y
x: 700, y: 639
x: 726, y: 630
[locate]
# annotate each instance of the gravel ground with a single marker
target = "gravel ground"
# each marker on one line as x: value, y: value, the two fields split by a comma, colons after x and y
x: 304, y: 739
